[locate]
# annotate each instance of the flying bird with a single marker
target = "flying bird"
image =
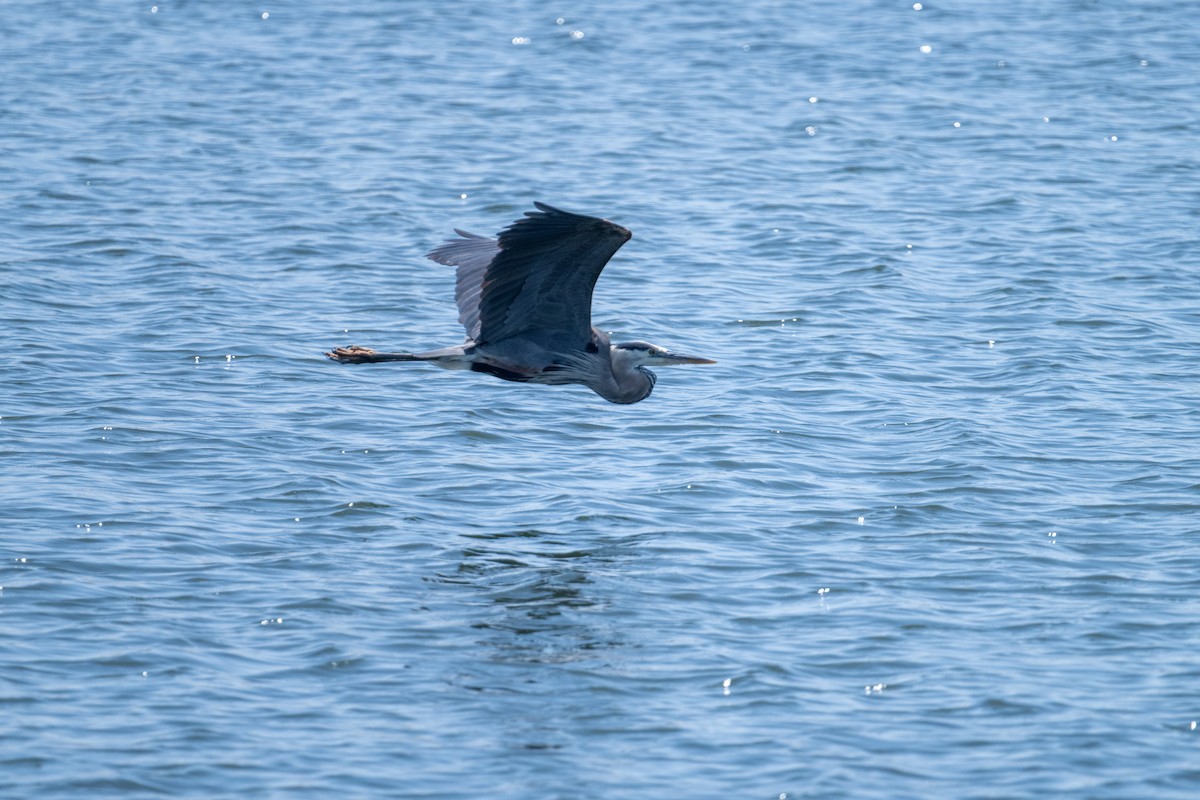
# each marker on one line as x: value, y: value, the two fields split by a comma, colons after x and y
x: 525, y: 299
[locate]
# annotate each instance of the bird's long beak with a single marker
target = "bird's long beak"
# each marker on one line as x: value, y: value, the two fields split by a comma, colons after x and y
x: 670, y: 359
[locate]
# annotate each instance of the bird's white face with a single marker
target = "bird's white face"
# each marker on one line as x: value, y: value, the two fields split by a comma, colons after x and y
x: 651, y: 355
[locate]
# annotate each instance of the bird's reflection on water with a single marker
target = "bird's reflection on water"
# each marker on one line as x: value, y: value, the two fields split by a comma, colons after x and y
x: 543, y: 642
x: 531, y: 584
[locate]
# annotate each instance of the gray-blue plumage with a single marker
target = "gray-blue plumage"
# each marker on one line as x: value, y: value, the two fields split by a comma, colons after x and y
x: 525, y: 300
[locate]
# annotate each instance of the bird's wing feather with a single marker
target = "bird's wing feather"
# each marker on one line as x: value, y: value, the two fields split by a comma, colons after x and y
x: 471, y: 254
x: 541, y: 279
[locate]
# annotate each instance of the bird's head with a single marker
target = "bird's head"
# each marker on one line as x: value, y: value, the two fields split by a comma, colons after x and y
x: 644, y: 354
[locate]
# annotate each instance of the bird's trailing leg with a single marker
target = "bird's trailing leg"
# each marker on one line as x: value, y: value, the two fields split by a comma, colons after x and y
x: 356, y: 354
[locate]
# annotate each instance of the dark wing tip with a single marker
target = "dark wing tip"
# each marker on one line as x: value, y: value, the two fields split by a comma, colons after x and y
x: 547, y: 211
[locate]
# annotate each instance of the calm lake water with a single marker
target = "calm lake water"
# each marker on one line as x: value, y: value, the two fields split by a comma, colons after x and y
x: 931, y: 527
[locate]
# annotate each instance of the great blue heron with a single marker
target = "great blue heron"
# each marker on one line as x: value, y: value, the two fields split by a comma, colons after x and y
x: 525, y: 299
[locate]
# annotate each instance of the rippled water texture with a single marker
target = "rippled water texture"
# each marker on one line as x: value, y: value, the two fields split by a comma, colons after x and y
x: 928, y: 529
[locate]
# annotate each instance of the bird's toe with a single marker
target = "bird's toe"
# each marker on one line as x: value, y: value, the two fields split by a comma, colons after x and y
x: 351, y: 354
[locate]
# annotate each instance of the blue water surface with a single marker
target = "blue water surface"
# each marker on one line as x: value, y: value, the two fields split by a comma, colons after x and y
x: 929, y: 528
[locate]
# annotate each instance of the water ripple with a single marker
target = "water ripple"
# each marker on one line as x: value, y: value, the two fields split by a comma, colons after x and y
x: 926, y: 529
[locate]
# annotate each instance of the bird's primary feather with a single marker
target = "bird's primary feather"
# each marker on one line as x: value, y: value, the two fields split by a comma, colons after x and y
x: 471, y: 254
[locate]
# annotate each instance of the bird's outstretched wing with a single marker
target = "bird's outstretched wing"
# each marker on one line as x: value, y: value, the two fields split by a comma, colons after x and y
x: 471, y: 254
x: 539, y: 280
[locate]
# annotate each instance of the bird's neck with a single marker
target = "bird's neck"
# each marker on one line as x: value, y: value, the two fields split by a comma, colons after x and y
x: 631, y: 381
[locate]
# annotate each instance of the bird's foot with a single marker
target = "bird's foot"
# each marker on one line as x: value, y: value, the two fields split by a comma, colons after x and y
x: 355, y: 354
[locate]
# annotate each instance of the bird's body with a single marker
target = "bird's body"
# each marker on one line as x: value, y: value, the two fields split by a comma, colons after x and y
x: 525, y: 300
